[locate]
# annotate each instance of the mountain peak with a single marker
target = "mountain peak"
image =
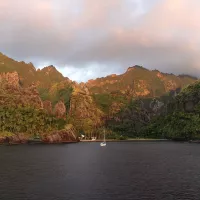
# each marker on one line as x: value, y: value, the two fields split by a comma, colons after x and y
x: 49, y: 68
x: 112, y: 75
x: 135, y: 67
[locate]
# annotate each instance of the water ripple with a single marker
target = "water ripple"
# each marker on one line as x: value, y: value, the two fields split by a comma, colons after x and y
x: 120, y: 171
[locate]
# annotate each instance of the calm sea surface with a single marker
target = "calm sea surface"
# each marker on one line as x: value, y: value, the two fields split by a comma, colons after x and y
x: 121, y: 170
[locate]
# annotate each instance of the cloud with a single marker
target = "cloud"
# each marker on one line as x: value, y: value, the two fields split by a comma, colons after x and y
x: 87, y: 72
x: 86, y: 38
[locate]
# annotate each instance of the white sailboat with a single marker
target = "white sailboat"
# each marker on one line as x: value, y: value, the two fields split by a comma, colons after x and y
x: 103, y: 144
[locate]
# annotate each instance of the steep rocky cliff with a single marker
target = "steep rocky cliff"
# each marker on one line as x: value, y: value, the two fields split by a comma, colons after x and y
x: 11, y: 93
x: 83, y: 112
x: 24, y: 115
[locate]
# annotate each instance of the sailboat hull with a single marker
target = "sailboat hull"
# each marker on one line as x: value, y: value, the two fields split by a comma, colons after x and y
x: 103, y: 144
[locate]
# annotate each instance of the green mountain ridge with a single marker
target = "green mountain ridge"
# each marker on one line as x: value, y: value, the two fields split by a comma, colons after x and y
x: 125, y: 104
x: 29, y: 74
x: 49, y: 75
x: 140, y: 82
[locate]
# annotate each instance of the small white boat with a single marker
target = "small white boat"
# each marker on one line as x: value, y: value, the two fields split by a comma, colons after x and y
x: 94, y: 138
x: 103, y: 144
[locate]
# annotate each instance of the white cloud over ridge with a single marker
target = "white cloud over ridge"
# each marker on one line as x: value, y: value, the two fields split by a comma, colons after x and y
x: 87, y: 39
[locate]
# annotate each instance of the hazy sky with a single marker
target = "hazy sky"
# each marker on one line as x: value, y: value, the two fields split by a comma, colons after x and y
x: 86, y: 39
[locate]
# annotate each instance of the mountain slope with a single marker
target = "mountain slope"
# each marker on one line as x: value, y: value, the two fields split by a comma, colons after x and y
x: 138, y: 81
x: 181, y: 120
x: 125, y: 101
x: 28, y: 73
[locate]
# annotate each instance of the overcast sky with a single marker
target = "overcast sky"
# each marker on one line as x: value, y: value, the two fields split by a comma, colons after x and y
x: 86, y: 39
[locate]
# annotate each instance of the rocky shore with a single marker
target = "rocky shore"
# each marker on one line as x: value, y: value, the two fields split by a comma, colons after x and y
x: 61, y: 136
x: 67, y: 135
x: 14, y: 139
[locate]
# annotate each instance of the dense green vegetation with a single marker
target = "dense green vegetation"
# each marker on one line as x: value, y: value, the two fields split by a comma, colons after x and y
x: 44, y: 94
x: 129, y: 121
x: 105, y: 100
x: 181, y: 122
x: 177, y: 126
x: 173, y: 121
x: 27, y: 120
x: 63, y: 94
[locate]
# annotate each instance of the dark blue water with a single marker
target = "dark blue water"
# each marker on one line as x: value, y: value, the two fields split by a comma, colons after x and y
x: 124, y: 170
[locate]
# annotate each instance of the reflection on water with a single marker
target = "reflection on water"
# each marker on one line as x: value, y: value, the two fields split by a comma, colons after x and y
x: 121, y: 170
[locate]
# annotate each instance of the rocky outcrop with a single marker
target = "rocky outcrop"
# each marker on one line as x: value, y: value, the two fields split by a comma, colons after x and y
x: 142, y: 88
x: 83, y: 112
x: 115, y: 108
x: 156, y: 106
x: 60, y: 110
x: 66, y: 135
x: 14, y: 139
x: 47, y: 105
x: 172, y: 82
x: 10, y: 78
x: 13, y: 94
x: 83, y: 106
x: 61, y: 136
x: 20, y: 97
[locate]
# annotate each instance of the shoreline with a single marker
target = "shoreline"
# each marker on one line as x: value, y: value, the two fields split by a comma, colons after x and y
x: 31, y: 142
x: 127, y: 140
x: 36, y: 142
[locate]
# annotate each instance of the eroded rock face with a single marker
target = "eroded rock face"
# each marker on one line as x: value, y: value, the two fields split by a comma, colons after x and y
x: 60, y: 110
x: 115, y: 108
x: 13, y: 94
x: 156, y: 106
x: 170, y: 85
x: 47, y: 105
x: 83, y: 111
x: 142, y: 88
x: 11, y: 78
x: 81, y: 106
x: 14, y: 139
x: 66, y: 135
x: 20, y: 98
